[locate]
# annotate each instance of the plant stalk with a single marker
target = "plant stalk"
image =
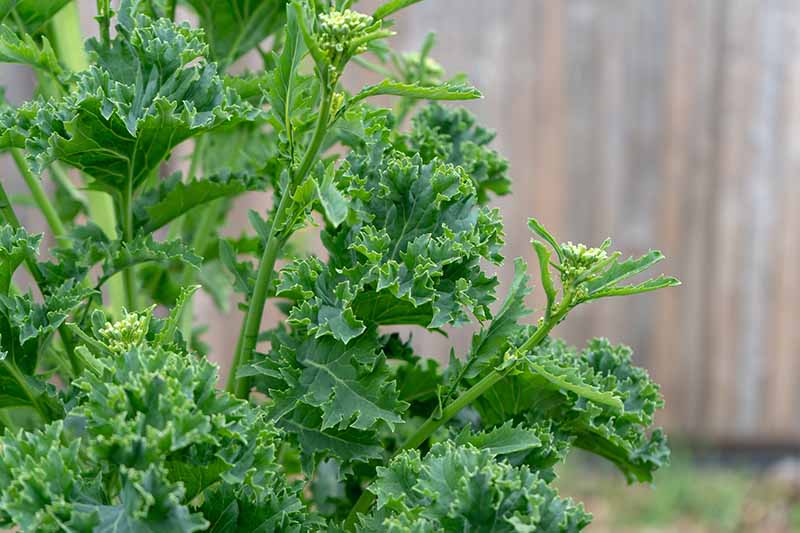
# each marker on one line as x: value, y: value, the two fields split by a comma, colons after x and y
x: 39, y: 196
x: 68, y: 43
x: 128, y: 274
x: 272, y: 249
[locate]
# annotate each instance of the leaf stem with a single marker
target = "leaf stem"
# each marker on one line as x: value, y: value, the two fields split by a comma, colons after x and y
x: 39, y: 196
x: 129, y: 273
x: 272, y: 249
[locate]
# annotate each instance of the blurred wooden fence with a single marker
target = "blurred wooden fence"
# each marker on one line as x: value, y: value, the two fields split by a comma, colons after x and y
x: 668, y: 124
x: 665, y: 124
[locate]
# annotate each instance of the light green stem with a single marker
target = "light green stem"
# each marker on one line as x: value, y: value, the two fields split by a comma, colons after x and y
x: 68, y: 43
x: 129, y: 273
x: 40, y: 196
x: 272, y: 249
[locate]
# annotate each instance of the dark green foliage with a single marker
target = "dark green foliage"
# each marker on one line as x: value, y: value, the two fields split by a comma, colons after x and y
x: 111, y: 418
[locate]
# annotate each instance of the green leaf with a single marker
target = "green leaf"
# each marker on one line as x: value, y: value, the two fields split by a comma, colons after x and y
x: 423, y: 92
x: 536, y: 227
x: 231, y: 511
x: 173, y: 198
x: 543, y: 255
x: 348, y: 382
x: 24, y: 50
x: 489, y: 345
x: 606, y: 284
x: 447, y: 490
x: 334, y: 204
x: 453, y: 134
x: 33, y: 14
x: 502, y: 440
x: 148, y: 502
x: 15, y: 246
x: 408, y: 253
x: 166, y: 336
x: 597, y: 399
x: 234, y: 27
x: 149, y: 91
x: 347, y: 446
x: 392, y: 6
x: 144, y: 249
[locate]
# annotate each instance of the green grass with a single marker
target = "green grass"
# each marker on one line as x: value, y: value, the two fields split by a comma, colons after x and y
x: 685, y: 498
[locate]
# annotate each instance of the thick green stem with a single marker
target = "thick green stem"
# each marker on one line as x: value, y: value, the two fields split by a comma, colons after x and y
x: 129, y: 274
x: 274, y: 244
x: 255, y: 310
x: 68, y: 43
x: 39, y: 196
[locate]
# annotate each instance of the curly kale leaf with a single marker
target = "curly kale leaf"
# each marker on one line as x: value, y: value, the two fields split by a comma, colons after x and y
x: 595, y: 399
x: 460, y: 488
x: 151, y: 89
x: 145, y: 421
x: 345, y: 390
x: 453, y: 135
x: 408, y: 253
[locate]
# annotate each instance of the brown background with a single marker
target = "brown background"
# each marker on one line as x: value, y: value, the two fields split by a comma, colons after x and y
x: 665, y: 124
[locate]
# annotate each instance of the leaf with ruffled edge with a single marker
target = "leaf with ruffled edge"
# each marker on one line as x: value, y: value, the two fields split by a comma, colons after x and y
x: 149, y: 91
x: 408, y: 253
x: 460, y: 488
x: 453, y: 135
x: 329, y: 393
x: 24, y: 50
x: 596, y: 399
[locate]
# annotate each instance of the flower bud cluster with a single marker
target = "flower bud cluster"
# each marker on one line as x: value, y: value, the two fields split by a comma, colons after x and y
x: 125, y: 334
x: 578, y: 258
x: 338, y: 30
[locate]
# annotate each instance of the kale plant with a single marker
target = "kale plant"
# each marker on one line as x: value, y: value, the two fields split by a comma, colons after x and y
x: 112, y: 418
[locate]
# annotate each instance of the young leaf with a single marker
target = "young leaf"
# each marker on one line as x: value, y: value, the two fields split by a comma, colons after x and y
x: 502, y: 440
x: 392, y: 6
x: 24, y: 50
x: 334, y: 204
x: 15, y: 246
x: 453, y: 135
x: 145, y: 249
x: 422, y: 92
x: 166, y: 336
